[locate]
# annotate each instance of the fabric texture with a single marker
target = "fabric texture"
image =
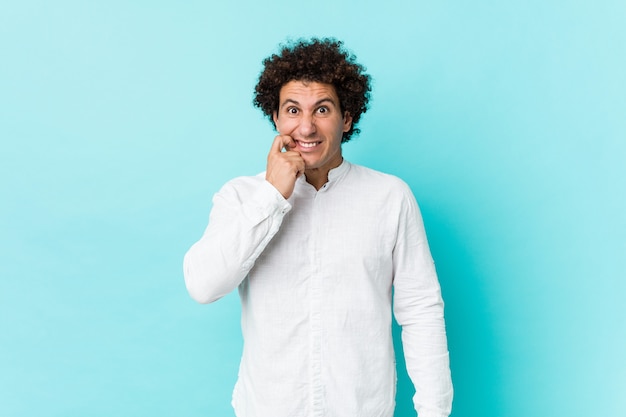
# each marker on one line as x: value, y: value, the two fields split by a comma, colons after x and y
x: 315, y: 275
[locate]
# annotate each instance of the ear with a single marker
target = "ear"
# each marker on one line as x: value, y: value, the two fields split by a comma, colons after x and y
x: 347, y: 121
x: 275, y: 117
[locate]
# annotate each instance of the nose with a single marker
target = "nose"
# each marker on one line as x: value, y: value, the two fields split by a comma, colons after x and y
x: 306, y: 127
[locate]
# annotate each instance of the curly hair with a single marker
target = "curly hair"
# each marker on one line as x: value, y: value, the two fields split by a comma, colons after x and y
x: 315, y: 60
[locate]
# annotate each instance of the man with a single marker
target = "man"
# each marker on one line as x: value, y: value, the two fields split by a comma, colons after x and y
x: 315, y: 245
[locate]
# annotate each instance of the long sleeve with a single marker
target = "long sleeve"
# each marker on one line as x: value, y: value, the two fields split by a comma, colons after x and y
x: 418, y: 308
x: 247, y: 212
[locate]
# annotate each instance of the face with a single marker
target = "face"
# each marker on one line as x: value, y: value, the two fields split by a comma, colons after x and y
x: 309, y: 112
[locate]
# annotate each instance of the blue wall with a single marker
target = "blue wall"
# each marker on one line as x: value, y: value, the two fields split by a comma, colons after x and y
x: 119, y: 120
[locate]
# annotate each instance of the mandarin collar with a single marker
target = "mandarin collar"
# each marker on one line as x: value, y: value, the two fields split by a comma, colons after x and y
x: 333, y: 175
x: 338, y: 172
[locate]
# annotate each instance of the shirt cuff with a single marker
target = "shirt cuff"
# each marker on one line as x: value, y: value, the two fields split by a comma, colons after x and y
x: 431, y: 414
x: 270, y: 200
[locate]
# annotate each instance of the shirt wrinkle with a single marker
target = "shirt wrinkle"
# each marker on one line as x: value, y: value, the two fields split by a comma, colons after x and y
x: 316, y: 296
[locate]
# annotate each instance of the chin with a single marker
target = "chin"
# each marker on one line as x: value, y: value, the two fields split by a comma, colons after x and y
x: 310, y: 164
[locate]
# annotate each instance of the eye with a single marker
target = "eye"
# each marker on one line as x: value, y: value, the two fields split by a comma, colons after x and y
x: 292, y: 110
x: 323, y: 110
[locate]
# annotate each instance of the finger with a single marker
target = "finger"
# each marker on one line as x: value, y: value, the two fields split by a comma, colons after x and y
x: 282, y: 141
x: 301, y: 168
x: 299, y: 163
x: 290, y: 144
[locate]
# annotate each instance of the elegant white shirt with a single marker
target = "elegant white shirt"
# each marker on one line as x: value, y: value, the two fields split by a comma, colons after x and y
x: 315, y: 276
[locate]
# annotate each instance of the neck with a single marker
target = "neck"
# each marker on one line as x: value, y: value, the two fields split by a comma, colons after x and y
x: 317, y: 177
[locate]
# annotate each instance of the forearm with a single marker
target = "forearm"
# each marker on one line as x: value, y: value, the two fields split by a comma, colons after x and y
x: 240, y: 227
x: 426, y: 353
x: 419, y: 309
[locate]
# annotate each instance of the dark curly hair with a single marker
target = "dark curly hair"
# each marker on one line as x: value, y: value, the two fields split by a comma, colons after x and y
x: 315, y: 60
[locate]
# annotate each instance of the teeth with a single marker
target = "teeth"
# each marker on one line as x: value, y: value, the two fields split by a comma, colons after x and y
x: 308, y: 144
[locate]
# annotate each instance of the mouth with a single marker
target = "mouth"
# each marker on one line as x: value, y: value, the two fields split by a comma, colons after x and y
x: 307, y: 145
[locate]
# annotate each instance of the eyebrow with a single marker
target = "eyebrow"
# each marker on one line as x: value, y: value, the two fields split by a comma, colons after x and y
x: 317, y: 103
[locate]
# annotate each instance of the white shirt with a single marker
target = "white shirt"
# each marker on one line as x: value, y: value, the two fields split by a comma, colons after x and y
x: 315, y: 275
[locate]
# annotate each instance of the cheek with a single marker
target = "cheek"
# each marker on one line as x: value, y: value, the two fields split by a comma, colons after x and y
x: 285, y: 126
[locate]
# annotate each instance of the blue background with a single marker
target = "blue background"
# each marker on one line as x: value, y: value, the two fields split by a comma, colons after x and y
x: 119, y: 120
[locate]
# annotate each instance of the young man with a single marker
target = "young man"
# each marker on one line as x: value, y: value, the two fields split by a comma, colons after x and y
x: 315, y: 245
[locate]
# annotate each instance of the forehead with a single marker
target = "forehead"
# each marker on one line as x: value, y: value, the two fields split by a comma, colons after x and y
x: 307, y: 91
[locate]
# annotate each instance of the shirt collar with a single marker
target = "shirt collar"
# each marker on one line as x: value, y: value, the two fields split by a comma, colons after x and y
x: 336, y: 173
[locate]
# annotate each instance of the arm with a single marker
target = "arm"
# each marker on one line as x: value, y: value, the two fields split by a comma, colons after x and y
x: 246, y: 214
x: 418, y: 308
